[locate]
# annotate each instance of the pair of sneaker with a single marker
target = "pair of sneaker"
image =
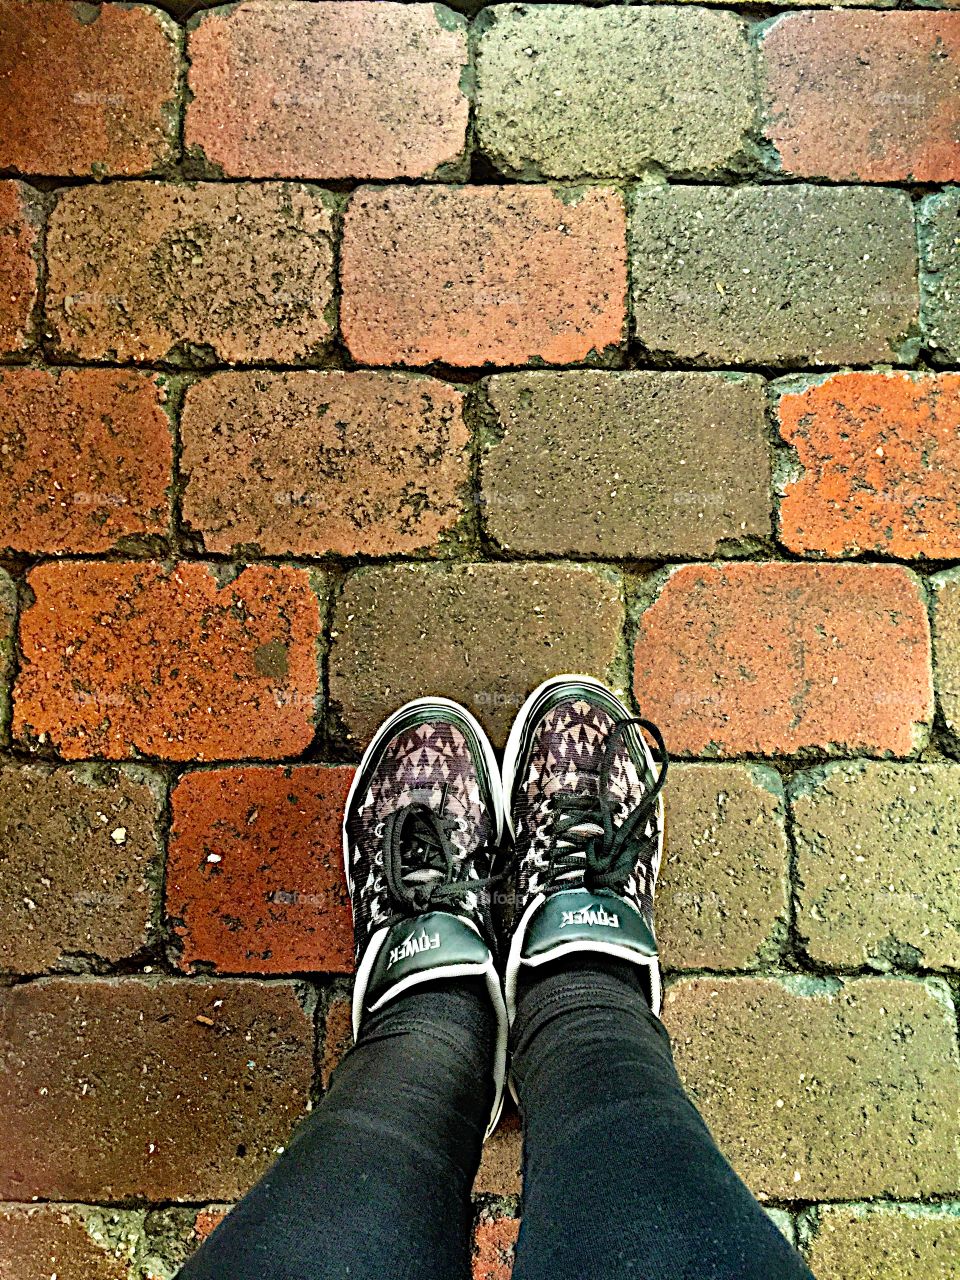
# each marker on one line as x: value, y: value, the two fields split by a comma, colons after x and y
x: 569, y: 832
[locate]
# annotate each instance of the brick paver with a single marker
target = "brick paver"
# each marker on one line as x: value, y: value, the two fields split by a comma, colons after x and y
x: 557, y: 83
x: 820, y: 1088
x: 938, y: 219
x: 945, y: 598
x: 86, y: 459
x: 495, y: 1242
x: 255, y: 879
x: 337, y: 90
x: 87, y: 92
x: 146, y: 271
x: 724, y: 884
x: 878, y: 456
x: 81, y: 858
x: 878, y: 865
x: 131, y: 1088
x: 635, y: 465
x: 490, y: 632
x: 19, y: 265
x: 774, y: 659
x: 307, y: 463
x: 121, y: 659
x: 8, y: 626
x: 859, y: 1242
x: 797, y: 275
x: 865, y: 97
x: 483, y: 275
x: 40, y: 1241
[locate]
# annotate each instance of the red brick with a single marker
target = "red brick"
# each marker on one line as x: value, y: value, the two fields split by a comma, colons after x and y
x: 483, y: 275
x: 774, y: 659
x: 335, y: 90
x: 337, y: 1038
x: 307, y: 463
x: 86, y: 459
x: 203, y: 272
x: 80, y: 863
x: 119, y: 1089
x: 255, y: 879
x: 86, y: 90
x: 494, y: 1243
x: 139, y: 657
x: 869, y: 97
x: 880, y: 455
x: 207, y: 1222
x: 19, y: 269
x: 38, y: 1242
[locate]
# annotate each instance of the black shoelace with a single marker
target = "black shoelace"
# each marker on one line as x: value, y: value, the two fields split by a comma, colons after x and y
x: 589, y: 849
x: 419, y: 858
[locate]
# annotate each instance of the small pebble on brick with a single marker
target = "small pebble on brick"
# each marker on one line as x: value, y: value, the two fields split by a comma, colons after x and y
x: 361, y: 463
x: 778, y: 658
x: 87, y: 91
x: 237, y: 273
x: 142, y: 658
x: 483, y: 275
x: 335, y: 90
x: 255, y: 879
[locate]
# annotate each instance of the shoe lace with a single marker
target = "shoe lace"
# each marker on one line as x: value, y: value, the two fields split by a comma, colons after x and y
x: 419, y: 857
x: 589, y: 849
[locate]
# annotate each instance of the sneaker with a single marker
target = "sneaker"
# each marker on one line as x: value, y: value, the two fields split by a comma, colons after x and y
x: 422, y: 823
x: 583, y: 795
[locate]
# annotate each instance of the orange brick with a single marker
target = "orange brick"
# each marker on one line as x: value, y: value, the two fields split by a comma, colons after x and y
x: 255, y: 880
x: 123, y: 1089
x: 19, y: 270
x: 45, y: 1240
x: 308, y: 463
x: 87, y: 91
x: 880, y: 456
x: 865, y: 97
x: 140, y: 658
x: 336, y: 90
x: 494, y: 1244
x: 773, y: 659
x: 86, y: 459
x: 483, y: 275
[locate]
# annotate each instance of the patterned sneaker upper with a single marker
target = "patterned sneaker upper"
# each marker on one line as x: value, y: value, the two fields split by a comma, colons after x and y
x: 586, y: 802
x: 421, y: 828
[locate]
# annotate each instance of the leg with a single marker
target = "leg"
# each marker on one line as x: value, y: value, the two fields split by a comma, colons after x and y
x: 621, y: 1176
x: 376, y: 1182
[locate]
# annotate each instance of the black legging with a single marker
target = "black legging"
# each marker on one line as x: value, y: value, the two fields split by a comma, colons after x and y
x: 621, y: 1176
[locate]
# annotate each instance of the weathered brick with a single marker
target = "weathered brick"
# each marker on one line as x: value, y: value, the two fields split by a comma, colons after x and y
x: 495, y: 1241
x: 724, y: 884
x: 143, y: 658
x: 307, y: 463
x: 567, y: 92
x: 939, y: 225
x: 335, y: 90
x: 87, y: 91
x: 777, y: 658
x: 86, y: 459
x: 878, y: 454
x: 878, y: 864
x: 43, y: 1241
x: 8, y: 627
x: 780, y: 275
x: 500, y: 1164
x: 483, y: 275
x: 945, y: 589
x: 483, y: 634
x: 80, y: 864
x: 865, y: 97
x: 255, y: 879
x: 337, y: 1038
x: 19, y: 265
x: 874, y: 1242
x: 225, y: 272
x: 661, y: 464
x: 822, y: 1088
x: 124, y: 1088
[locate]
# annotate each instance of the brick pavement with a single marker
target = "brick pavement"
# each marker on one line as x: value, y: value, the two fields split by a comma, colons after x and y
x: 346, y: 341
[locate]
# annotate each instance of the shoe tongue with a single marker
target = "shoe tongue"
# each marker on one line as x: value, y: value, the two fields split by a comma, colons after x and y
x: 578, y: 919
x: 422, y: 949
